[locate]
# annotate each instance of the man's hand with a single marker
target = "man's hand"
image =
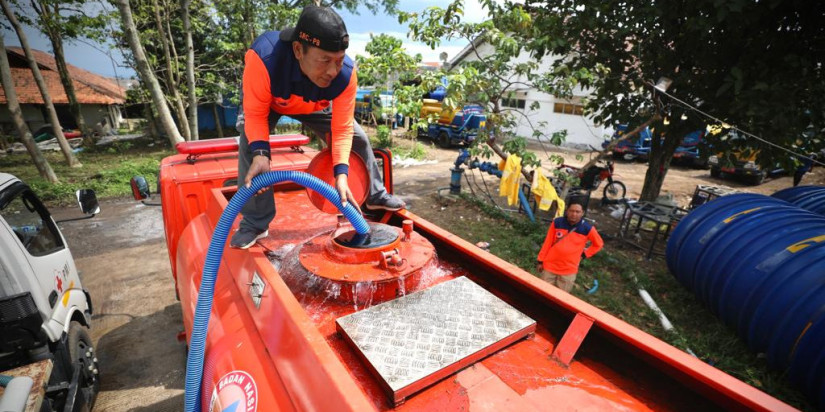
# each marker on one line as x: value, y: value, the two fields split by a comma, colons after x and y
x: 343, y: 190
x: 539, y: 267
x: 260, y: 164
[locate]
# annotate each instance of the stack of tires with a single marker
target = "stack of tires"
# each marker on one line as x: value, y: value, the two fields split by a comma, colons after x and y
x: 758, y: 263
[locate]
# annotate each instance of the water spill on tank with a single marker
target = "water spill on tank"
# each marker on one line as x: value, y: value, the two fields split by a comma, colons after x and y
x: 363, y: 294
x: 320, y: 296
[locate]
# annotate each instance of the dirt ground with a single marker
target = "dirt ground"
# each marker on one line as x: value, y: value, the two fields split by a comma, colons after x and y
x: 122, y: 257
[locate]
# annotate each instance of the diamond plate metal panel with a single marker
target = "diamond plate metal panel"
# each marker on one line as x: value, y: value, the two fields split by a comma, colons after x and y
x: 415, y: 340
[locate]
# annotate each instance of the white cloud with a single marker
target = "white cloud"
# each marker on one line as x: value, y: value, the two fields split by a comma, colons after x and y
x: 474, y: 12
x: 358, y: 43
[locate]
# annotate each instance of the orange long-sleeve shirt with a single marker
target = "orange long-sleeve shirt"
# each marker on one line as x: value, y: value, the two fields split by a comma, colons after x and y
x: 561, y: 252
x: 273, y: 81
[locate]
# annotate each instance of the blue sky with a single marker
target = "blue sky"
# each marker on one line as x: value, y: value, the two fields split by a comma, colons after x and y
x: 359, y: 26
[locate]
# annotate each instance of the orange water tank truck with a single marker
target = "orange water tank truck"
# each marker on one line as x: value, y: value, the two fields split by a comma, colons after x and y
x: 414, y: 319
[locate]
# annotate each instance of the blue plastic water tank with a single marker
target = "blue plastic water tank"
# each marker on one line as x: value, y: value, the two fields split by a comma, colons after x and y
x: 759, y: 264
x: 806, y: 197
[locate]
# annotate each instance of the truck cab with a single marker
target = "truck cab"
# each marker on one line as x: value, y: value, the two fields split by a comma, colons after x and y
x: 453, y: 127
x: 741, y: 161
x: 637, y: 147
x: 690, y: 149
x: 44, y: 311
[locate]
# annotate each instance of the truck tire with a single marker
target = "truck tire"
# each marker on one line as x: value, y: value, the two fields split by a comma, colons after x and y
x: 82, y: 355
x: 444, y: 140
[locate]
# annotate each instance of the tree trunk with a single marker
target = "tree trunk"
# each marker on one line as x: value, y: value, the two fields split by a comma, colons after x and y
x: 40, y: 162
x: 661, y: 154
x: 47, y: 17
x: 146, y: 75
x: 190, y: 72
x: 491, y: 141
x: 177, y: 101
x: 41, y: 84
x: 151, y: 124
x: 218, y: 125
x: 249, y: 18
x: 624, y: 137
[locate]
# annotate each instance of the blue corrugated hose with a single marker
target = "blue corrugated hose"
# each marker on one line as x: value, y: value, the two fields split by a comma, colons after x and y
x: 194, y: 361
x: 5, y: 379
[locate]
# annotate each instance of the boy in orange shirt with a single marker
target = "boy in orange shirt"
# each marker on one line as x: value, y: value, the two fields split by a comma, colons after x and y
x: 565, y: 246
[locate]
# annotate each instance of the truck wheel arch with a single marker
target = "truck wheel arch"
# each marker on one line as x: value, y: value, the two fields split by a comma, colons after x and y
x: 79, y: 317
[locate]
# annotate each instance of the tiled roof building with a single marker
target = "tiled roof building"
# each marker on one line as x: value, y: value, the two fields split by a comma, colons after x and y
x: 89, y: 87
x: 99, y: 96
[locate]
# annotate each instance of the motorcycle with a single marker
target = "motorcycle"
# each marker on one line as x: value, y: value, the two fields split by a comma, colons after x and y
x: 592, y: 178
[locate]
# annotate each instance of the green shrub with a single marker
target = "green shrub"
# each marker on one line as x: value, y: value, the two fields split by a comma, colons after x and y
x: 418, y: 151
x: 384, y: 137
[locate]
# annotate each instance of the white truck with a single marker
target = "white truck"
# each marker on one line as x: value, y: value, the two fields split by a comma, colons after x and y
x: 44, y: 311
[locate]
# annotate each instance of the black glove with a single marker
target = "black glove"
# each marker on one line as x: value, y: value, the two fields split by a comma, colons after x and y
x: 584, y: 256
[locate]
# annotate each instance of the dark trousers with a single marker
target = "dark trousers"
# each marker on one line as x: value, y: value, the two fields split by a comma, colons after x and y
x: 260, y: 210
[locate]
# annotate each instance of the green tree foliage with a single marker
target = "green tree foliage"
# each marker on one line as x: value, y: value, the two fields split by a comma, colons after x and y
x: 386, y: 59
x: 493, y: 70
x: 755, y: 65
x: 222, y: 32
x: 387, y: 67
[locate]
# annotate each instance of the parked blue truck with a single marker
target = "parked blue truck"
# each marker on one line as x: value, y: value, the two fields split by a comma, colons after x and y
x: 637, y: 147
x: 689, y: 150
x: 457, y: 127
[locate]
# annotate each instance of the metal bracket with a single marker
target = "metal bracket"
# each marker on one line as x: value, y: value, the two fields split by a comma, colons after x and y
x: 392, y: 259
x: 572, y: 339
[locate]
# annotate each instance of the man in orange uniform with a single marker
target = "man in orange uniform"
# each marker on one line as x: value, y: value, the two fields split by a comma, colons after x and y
x: 565, y: 246
x: 304, y: 73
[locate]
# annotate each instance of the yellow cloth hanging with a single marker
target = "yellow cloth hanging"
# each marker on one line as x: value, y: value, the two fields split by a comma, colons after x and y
x: 546, y: 193
x: 510, y: 172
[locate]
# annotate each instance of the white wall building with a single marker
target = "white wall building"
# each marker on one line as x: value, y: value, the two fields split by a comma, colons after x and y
x: 558, y: 113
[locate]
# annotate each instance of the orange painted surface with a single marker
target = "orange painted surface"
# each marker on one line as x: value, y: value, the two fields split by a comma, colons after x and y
x: 358, y: 179
x: 290, y: 343
x: 185, y: 186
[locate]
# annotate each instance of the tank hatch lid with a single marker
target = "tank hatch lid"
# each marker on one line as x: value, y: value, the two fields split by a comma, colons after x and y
x: 416, y: 340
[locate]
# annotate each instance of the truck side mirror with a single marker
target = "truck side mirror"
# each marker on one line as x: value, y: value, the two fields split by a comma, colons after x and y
x: 140, y: 189
x: 87, y: 200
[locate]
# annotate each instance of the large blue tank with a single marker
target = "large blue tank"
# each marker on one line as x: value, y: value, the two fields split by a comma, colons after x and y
x: 806, y: 197
x: 759, y: 264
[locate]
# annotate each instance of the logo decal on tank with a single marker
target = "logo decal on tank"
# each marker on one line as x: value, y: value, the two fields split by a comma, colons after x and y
x: 796, y: 247
x: 236, y: 391
x: 733, y: 217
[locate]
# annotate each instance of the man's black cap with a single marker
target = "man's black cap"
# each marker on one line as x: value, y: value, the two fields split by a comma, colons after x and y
x: 320, y: 27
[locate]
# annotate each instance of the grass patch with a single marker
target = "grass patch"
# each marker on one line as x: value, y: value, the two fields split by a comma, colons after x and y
x: 399, y: 145
x: 106, y: 169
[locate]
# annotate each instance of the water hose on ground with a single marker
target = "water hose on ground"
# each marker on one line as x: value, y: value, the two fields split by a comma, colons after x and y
x: 668, y: 327
x: 594, y: 288
x: 200, y: 323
